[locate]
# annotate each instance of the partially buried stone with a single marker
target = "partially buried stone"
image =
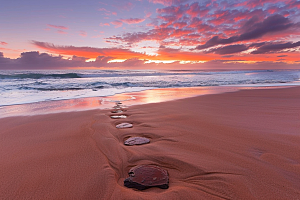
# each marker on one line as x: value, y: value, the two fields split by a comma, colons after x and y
x: 118, y: 116
x: 117, y: 111
x: 136, y: 141
x: 145, y: 176
x: 124, y: 125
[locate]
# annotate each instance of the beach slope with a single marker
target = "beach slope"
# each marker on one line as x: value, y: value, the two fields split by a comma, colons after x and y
x: 239, y: 145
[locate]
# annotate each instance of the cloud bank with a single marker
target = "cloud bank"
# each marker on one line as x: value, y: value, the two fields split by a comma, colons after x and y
x: 37, y: 61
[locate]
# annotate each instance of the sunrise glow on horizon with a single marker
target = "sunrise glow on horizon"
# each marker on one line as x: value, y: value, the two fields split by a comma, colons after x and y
x: 150, y: 34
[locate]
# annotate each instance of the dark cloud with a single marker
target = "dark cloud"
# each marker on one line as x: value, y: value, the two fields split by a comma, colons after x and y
x: 35, y: 60
x: 256, y: 30
x: 257, y: 44
x: 217, y: 22
x: 154, y: 34
x: 271, y: 24
x: 271, y: 48
x: 281, y: 59
x: 217, y: 41
x: 230, y: 49
x: 262, y: 48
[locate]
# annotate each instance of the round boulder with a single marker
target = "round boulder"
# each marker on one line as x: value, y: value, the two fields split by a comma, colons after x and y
x: 145, y: 176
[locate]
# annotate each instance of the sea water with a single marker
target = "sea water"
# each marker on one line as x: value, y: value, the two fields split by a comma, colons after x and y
x: 20, y: 87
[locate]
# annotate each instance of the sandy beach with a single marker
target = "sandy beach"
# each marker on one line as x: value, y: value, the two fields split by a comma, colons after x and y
x: 237, y: 145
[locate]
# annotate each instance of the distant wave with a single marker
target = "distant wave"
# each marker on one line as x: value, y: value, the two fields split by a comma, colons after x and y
x: 18, y: 87
x: 108, y: 74
x: 51, y: 89
x: 38, y: 76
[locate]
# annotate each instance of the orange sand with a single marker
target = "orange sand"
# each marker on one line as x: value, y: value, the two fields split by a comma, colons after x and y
x: 241, y: 145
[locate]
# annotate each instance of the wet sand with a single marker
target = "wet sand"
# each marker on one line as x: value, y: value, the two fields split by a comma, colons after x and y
x: 239, y: 145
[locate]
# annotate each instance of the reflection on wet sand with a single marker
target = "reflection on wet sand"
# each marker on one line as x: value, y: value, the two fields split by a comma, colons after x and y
x: 133, y: 98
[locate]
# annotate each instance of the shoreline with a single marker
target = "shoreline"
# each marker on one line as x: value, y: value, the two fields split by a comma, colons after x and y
x: 237, y: 145
x: 132, y: 98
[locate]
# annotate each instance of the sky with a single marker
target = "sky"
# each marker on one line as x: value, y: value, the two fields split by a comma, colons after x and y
x: 150, y: 34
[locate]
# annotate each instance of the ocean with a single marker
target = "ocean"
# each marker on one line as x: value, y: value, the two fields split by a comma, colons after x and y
x: 21, y: 87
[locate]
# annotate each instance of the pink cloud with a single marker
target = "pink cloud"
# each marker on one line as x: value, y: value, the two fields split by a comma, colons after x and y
x: 148, y: 14
x: 167, y: 2
x: 132, y: 20
x: 107, y: 12
x: 105, y: 24
x: 103, y: 9
x: 180, y: 24
x: 3, y: 43
x: 97, y: 36
x: 58, y: 27
x: 117, y: 23
x: 124, y: 5
x: 62, y: 32
x: 256, y: 3
x: 83, y: 33
x: 202, y: 24
x: 181, y: 32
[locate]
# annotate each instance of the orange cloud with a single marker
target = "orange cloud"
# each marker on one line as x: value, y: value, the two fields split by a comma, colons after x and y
x: 89, y: 52
x: 231, y: 53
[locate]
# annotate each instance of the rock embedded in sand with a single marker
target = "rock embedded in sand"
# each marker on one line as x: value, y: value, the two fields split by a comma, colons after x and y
x: 118, y: 116
x: 145, y: 176
x: 117, y: 111
x: 136, y: 141
x: 124, y: 125
x: 117, y: 107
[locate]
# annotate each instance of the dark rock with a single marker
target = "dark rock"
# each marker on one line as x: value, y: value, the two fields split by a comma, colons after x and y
x: 136, y: 141
x: 145, y: 176
x: 124, y: 125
